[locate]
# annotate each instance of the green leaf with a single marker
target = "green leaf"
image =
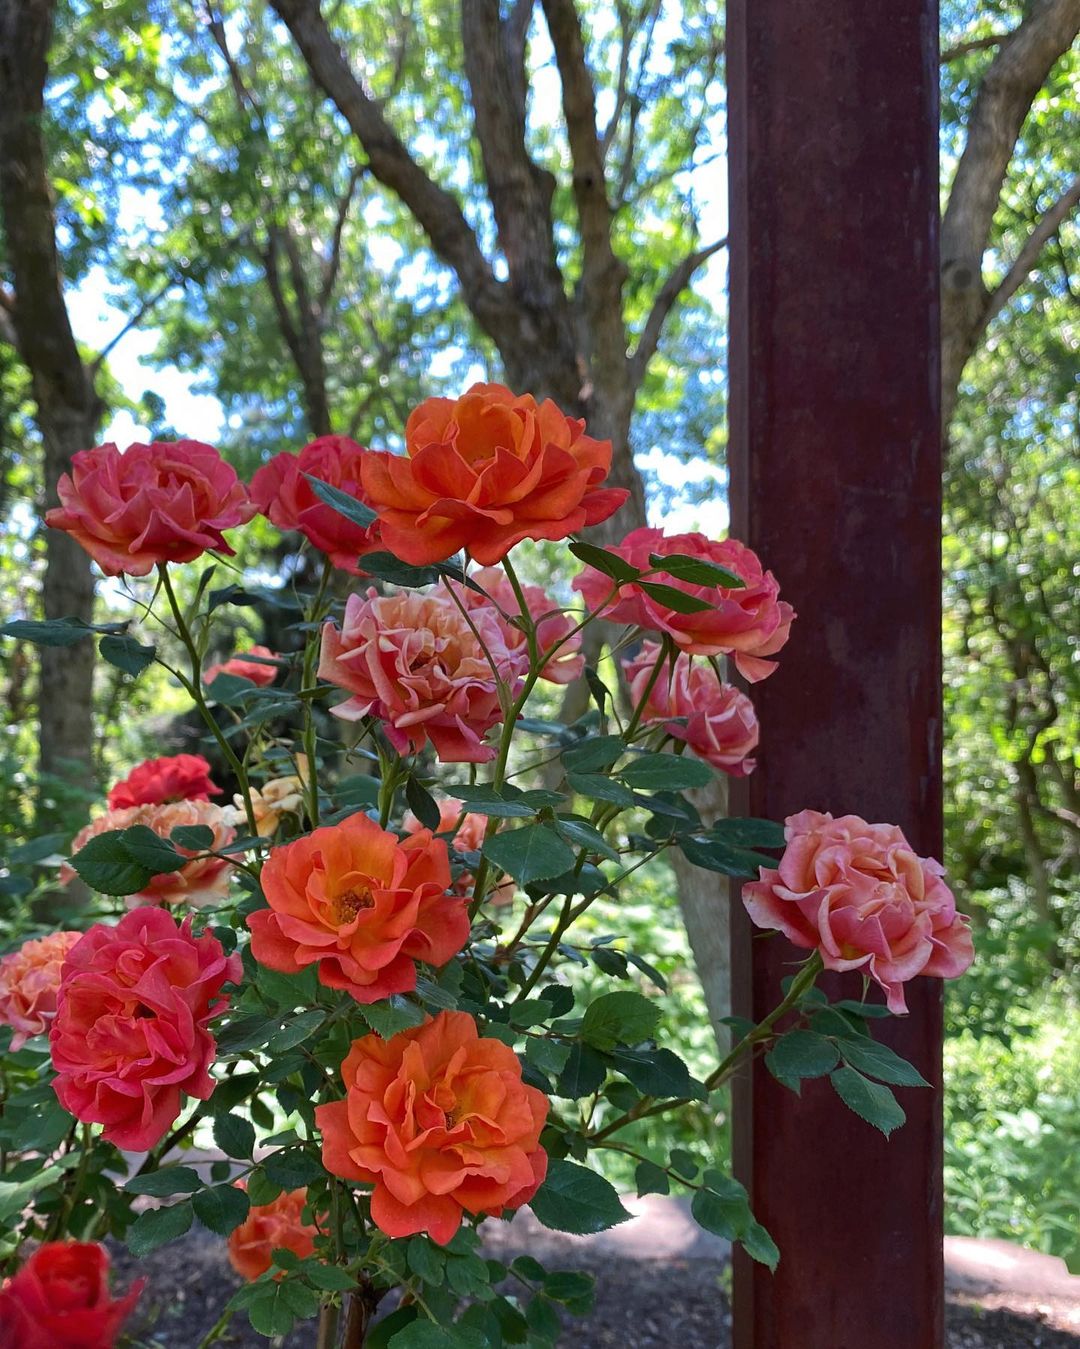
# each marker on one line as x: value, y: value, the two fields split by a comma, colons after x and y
x: 125, y: 861
x: 292, y: 1168
x: 658, y: 1072
x: 575, y: 1199
x: 234, y: 1135
x: 878, y: 1060
x: 619, y: 1018
x: 713, y: 854
x: 595, y: 752
x: 547, y: 1056
x: 677, y: 600
x: 48, y: 632
x: 759, y: 1246
x: 649, y: 970
x: 665, y: 773
x: 531, y: 853
x: 170, y: 1180
x: 127, y: 654
x: 15, y: 1195
x: 602, y: 560
x: 386, y: 567
x: 270, y: 1312
x: 221, y: 1208
x: 684, y: 1163
x: 749, y: 833
x: 389, y: 1017
x: 426, y: 1261
x: 422, y: 804
x: 696, y: 570
x: 296, y: 1030
x: 799, y: 1054
x: 584, y: 1072
x: 727, y: 1214
x: 340, y: 501
x: 651, y: 1179
x: 485, y: 800
x: 583, y: 834
x: 157, y: 1226
x: 598, y: 788
x: 869, y: 1100
x: 197, y: 837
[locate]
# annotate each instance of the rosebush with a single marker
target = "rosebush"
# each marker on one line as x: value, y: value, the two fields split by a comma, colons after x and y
x: 356, y: 983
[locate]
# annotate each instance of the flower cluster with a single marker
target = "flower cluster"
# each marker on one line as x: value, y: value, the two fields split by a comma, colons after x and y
x: 176, y: 777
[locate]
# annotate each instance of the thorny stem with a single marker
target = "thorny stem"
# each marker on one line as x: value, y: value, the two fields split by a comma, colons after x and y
x: 194, y: 688
x: 311, y: 651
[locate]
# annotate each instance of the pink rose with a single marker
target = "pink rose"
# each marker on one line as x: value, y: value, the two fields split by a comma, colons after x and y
x: 29, y: 982
x: 415, y: 662
x: 283, y: 494
x: 176, y: 777
x: 201, y: 882
x: 130, y: 1037
x: 247, y: 665
x: 552, y: 623
x: 858, y: 894
x: 164, y: 502
x: 748, y: 623
x: 693, y: 705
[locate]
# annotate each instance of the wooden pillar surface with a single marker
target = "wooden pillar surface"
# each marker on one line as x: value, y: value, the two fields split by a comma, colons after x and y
x: 835, y: 456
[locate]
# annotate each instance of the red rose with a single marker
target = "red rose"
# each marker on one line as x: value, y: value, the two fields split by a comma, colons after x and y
x: 259, y: 665
x: 176, y: 777
x: 164, y: 502
x: 284, y: 495
x: 130, y: 1036
x: 484, y: 471
x: 60, y: 1299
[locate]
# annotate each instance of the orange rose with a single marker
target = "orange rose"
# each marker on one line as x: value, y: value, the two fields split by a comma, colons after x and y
x: 277, y: 1226
x: 440, y: 1122
x: 484, y: 471
x: 361, y: 906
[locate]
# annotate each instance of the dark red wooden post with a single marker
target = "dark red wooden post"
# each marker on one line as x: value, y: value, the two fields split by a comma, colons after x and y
x: 836, y: 482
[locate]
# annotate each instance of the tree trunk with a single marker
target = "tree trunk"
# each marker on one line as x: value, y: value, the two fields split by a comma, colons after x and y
x: 67, y: 409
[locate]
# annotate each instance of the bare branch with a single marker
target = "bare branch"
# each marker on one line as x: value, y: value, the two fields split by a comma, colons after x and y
x: 666, y: 298
x: 1048, y: 225
x: 150, y: 303
x: 622, y: 83
x: 436, y: 210
x: 974, y: 44
x: 333, y: 260
x: 271, y: 258
x: 515, y: 37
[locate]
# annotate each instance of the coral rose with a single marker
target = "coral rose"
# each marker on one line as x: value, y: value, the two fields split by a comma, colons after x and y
x: 176, y: 777
x: 748, y: 624
x: 29, y: 981
x: 416, y: 662
x: 468, y: 837
x: 277, y: 1226
x: 484, y: 471
x: 164, y: 502
x: 692, y: 704
x: 440, y: 1122
x: 857, y: 893
x: 260, y: 665
x: 59, y: 1299
x: 202, y: 882
x: 130, y: 1037
x: 360, y: 906
x: 285, y: 496
x: 552, y: 623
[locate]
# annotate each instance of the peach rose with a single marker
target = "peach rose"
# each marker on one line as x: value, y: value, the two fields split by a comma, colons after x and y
x: 130, y: 1037
x: 468, y: 838
x: 552, y: 623
x: 415, y: 662
x: 360, y: 906
x: 60, y: 1299
x: 202, y: 882
x: 247, y: 665
x: 858, y: 894
x: 278, y: 797
x: 29, y: 982
x: 284, y: 495
x: 440, y: 1122
x: 277, y: 1226
x: 164, y: 502
x: 484, y: 471
x: 692, y: 704
x: 748, y: 624
x: 176, y: 777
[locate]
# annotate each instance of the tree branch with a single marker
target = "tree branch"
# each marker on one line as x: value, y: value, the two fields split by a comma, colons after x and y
x: 436, y: 210
x: 150, y: 303
x: 666, y: 297
x: 515, y: 37
x: 974, y: 44
x: 271, y: 257
x: 333, y: 261
x: 1048, y: 225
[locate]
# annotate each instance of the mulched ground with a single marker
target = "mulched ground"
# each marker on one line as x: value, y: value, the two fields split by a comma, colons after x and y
x: 640, y: 1304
